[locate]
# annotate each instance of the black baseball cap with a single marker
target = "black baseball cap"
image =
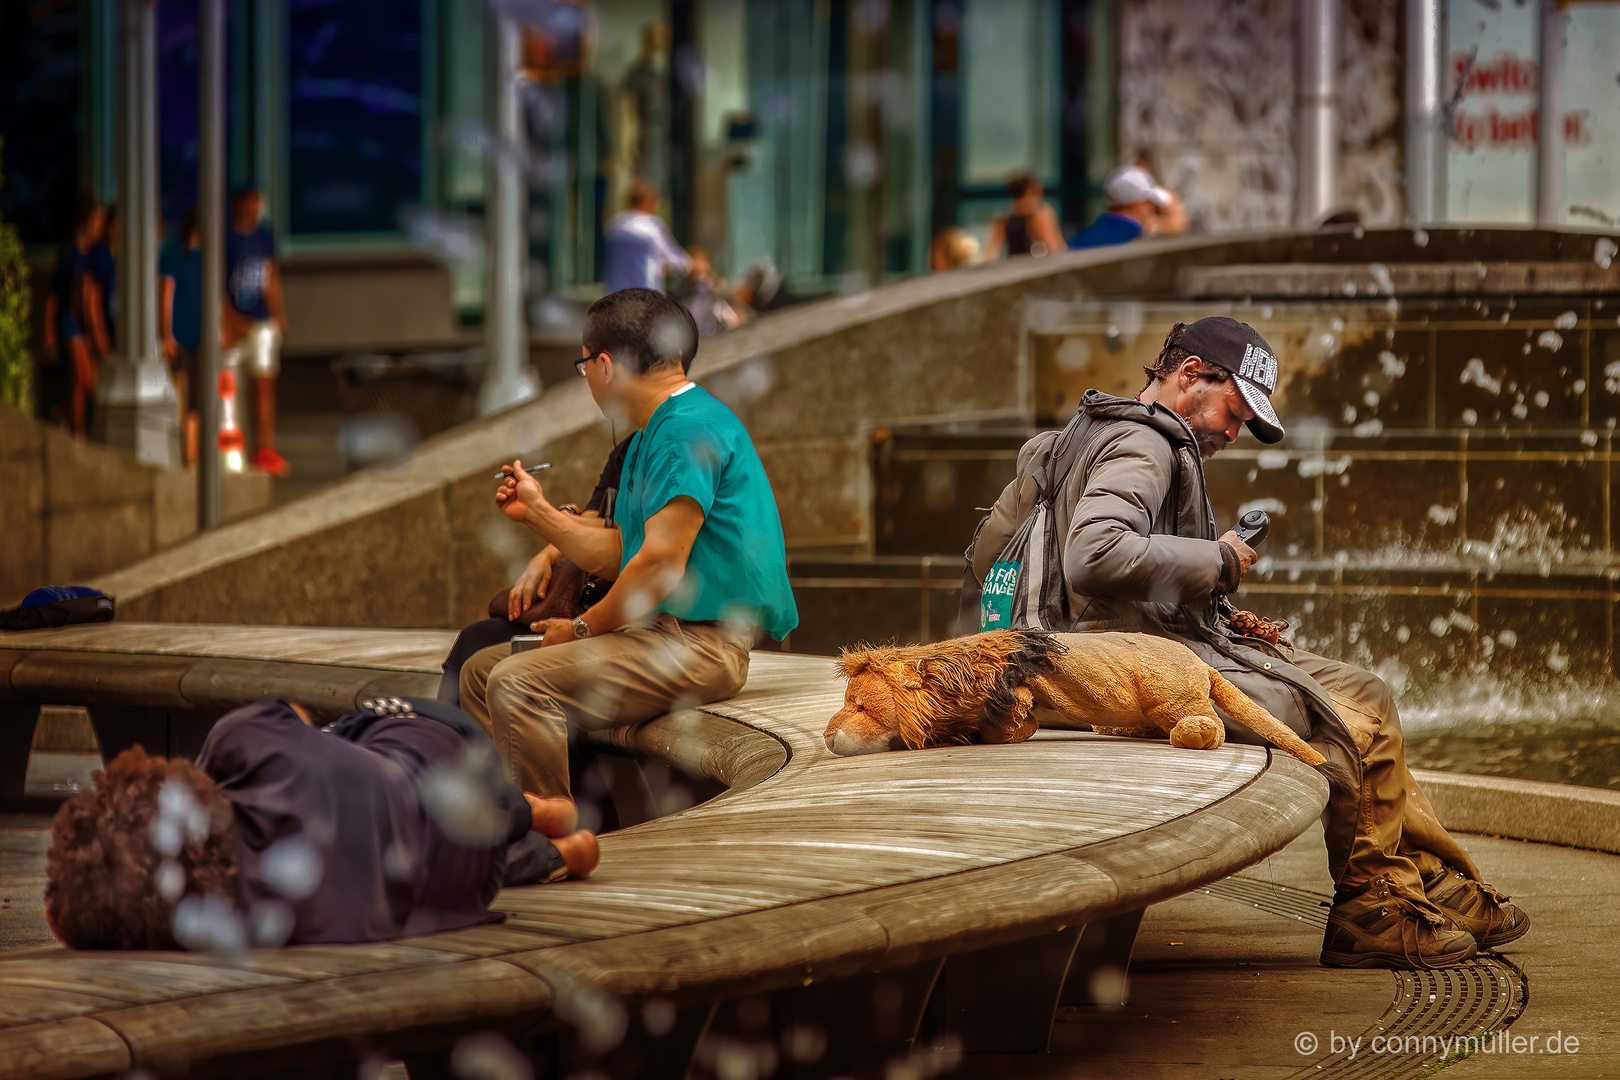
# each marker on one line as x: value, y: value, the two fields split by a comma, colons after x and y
x: 1236, y: 346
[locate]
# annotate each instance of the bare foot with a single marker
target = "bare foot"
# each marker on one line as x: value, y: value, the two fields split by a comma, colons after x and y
x: 579, y: 851
x: 554, y: 815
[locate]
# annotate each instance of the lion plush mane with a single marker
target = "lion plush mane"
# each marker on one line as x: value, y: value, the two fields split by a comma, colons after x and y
x: 965, y: 690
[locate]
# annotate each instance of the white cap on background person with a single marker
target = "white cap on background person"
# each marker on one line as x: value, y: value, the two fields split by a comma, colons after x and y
x: 1131, y: 184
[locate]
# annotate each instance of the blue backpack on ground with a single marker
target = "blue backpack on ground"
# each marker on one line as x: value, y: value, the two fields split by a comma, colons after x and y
x: 58, y: 605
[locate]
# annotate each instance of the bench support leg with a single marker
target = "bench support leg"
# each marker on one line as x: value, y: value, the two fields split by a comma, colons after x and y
x: 17, y: 722
x: 166, y: 732
x: 1097, y: 975
x: 1002, y: 999
x: 845, y: 1027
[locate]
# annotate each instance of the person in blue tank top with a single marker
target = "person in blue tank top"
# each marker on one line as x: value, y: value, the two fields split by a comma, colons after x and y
x: 694, y: 549
x: 101, y: 288
x: 65, y: 317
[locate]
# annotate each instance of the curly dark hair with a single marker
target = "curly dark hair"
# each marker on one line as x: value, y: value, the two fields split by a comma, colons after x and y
x: 1172, y: 356
x: 100, y: 878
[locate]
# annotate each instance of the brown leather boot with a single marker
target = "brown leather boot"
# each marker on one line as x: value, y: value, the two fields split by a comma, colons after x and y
x: 1477, y: 908
x: 1374, y: 928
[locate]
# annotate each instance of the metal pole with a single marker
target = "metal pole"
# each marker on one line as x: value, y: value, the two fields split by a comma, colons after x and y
x: 1318, y: 111
x: 508, y: 378
x: 211, y: 229
x: 1425, y: 114
x: 1550, y: 120
x: 135, y: 404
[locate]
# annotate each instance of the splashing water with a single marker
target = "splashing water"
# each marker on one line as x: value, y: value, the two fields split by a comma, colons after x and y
x: 459, y: 795
x: 293, y: 868
x: 211, y: 924
x: 488, y: 1056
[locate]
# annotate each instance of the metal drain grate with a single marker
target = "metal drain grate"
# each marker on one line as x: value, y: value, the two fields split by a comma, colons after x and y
x: 1431, y: 1007
x: 1431, y: 1014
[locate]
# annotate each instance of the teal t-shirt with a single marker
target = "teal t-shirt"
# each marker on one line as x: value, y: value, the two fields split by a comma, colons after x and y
x: 737, y: 571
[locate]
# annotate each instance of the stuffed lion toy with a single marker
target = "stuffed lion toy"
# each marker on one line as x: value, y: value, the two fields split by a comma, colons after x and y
x: 983, y: 689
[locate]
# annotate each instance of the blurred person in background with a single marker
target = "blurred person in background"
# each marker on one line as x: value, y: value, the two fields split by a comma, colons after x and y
x: 952, y: 249
x: 647, y: 109
x: 66, y: 337
x: 1138, y: 205
x: 758, y: 289
x: 101, y: 288
x: 255, y: 319
x: 703, y: 292
x: 180, y: 321
x: 1030, y: 227
x: 641, y: 250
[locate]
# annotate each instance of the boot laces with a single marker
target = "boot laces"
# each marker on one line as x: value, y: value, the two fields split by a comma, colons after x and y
x: 1412, y: 927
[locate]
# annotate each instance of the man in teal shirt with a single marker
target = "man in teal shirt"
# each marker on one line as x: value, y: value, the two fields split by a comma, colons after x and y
x: 694, y: 550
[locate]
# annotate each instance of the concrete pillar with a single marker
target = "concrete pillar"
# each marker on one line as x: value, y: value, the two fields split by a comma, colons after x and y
x: 1550, y: 120
x: 863, y: 152
x: 136, y: 404
x: 1318, y: 159
x: 211, y: 227
x: 1425, y: 114
x: 508, y: 378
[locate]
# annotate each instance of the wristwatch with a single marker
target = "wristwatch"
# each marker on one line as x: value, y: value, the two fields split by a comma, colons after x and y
x: 582, y: 629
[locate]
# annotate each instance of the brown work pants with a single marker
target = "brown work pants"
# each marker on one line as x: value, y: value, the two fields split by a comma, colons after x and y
x: 1398, y: 837
x: 526, y: 701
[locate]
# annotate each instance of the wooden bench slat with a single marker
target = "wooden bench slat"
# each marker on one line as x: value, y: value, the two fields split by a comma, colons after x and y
x: 112, y: 679
x: 62, y: 1050
x: 252, y: 1029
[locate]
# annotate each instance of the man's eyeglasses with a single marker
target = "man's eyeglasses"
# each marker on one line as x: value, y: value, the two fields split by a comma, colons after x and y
x: 579, y: 365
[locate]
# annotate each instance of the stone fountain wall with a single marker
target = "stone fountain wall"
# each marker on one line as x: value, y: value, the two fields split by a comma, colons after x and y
x: 1207, y: 96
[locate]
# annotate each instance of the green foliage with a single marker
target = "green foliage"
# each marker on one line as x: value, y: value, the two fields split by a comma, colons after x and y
x: 16, y: 368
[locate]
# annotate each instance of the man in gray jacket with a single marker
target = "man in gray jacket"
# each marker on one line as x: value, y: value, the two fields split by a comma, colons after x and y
x: 1140, y: 553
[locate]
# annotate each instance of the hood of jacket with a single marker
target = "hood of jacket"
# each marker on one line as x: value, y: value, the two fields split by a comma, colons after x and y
x: 1103, y: 406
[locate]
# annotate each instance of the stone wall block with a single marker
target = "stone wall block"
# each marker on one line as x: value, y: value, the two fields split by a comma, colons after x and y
x: 22, y: 525
x: 822, y: 489
x: 81, y: 541
x: 391, y: 569
x: 174, y: 507
x: 80, y: 473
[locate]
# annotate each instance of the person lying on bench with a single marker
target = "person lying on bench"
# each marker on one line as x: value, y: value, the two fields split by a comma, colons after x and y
x: 697, y: 561
x: 392, y: 822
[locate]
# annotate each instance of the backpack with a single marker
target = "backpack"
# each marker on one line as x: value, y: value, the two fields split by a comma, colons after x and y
x: 58, y: 605
x: 1019, y: 590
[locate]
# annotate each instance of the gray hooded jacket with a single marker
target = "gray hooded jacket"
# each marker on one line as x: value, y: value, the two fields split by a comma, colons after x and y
x: 1140, y: 554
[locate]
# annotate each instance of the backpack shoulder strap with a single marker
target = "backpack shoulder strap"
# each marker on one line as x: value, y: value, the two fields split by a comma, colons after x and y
x: 1050, y: 474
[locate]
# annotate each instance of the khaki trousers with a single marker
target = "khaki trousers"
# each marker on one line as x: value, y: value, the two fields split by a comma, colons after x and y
x: 526, y: 701
x: 1397, y: 836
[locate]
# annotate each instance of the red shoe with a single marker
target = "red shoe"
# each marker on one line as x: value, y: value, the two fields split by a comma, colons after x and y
x: 271, y: 462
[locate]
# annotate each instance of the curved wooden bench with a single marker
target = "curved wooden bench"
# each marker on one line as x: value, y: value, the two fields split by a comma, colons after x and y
x: 971, y: 888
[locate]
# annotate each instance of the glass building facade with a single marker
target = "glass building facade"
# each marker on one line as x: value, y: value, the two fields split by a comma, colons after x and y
x: 832, y: 136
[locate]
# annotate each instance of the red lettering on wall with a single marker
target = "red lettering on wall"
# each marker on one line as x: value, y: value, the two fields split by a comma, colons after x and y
x: 1506, y: 73
x: 1493, y: 130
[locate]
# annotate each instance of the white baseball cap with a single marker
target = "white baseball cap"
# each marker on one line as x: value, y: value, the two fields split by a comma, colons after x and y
x: 1133, y: 184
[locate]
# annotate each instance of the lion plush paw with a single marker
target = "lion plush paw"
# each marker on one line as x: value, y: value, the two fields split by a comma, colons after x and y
x: 1198, y: 733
